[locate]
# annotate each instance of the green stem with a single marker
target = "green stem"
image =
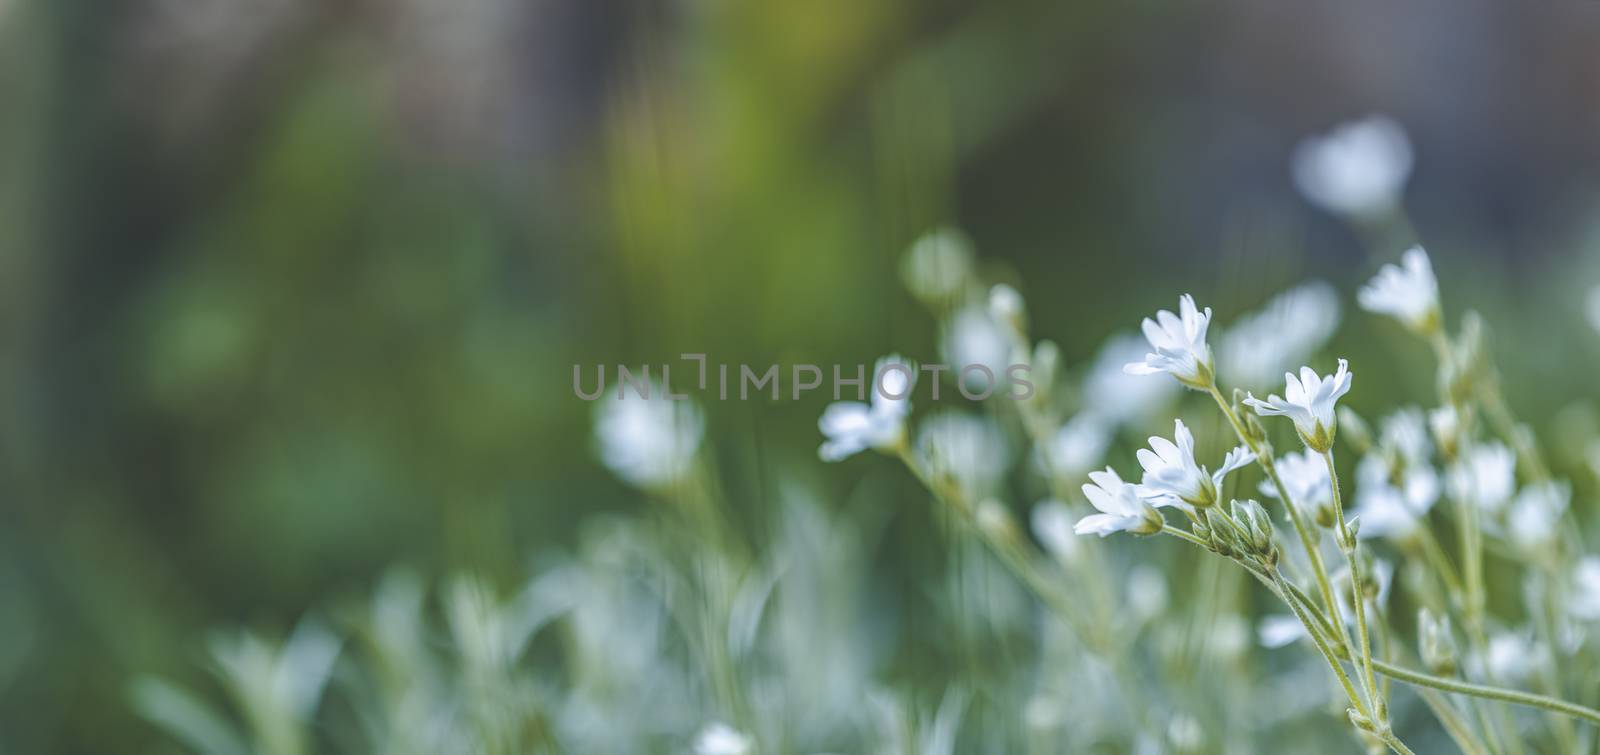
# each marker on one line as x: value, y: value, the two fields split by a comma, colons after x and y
x: 1454, y: 725
x: 1186, y: 535
x: 1501, y: 694
x: 1322, y: 645
x: 1499, y: 414
x: 1313, y: 553
x: 1394, y: 743
x: 1437, y: 558
x: 1358, y: 588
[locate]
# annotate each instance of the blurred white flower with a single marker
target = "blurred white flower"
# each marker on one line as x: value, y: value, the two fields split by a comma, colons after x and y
x: 651, y: 442
x: 1406, y: 432
x: 718, y: 738
x: 1287, y: 331
x: 1305, y: 475
x: 1147, y: 592
x: 1052, y: 526
x: 1172, y: 477
x: 1007, y: 307
x: 1591, y: 307
x: 1445, y: 424
x: 1583, y: 602
x: 1358, y: 169
x: 1535, y: 515
x: 1389, y: 507
x: 968, y: 448
x: 1185, y: 733
x: 1109, y: 392
x: 1309, y: 401
x: 973, y: 337
x: 1121, y: 509
x: 938, y: 265
x: 1485, y: 476
x: 1079, y: 446
x: 1179, y: 343
x: 1230, y: 636
x: 853, y: 426
x: 1512, y: 656
x: 1043, y: 712
x: 278, y: 686
x: 1279, y: 629
x: 1409, y: 293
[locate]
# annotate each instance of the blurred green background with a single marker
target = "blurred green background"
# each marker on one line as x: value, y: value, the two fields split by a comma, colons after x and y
x: 292, y: 289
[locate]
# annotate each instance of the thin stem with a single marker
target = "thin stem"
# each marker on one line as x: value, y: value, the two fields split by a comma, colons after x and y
x: 1457, y: 727
x: 1358, y: 588
x: 1438, y: 559
x: 1186, y: 535
x: 1499, y: 414
x: 1394, y: 743
x: 1318, y: 570
x: 1322, y: 645
x: 1515, y: 697
x: 1017, y: 556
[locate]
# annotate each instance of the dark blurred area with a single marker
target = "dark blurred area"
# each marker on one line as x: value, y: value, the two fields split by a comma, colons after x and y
x: 292, y: 289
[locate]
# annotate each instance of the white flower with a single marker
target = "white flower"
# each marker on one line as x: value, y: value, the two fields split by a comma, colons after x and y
x: 1389, y: 507
x: 649, y: 442
x: 1173, y: 478
x: 1485, y: 476
x: 1279, y: 629
x: 1584, y: 601
x: 1287, y: 331
x: 853, y: 426
x: 1078, y: 446
x: 718, y: 738
x: 1536, y: 513
x: 973, y: 337
x: 1121, y: 509
x: 1052, y: 525
x: 1309, y: 401
x: 1408, y: 293
x: 1305, y: 476
x: 1109, y: 391
x: 967, y: 448
x: 1180, y: 346
x: 1358, y: 169
x: 938, y: 265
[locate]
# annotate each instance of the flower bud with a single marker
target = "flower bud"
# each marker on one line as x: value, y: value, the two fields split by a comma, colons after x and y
x: 1324, y: 515
x: 1253, y: 429
x: 1257, y: 523
x: 1446, y: 423
x: 1437, y: 645
x: 1345, y: 537
x: 1359, y: 721
x: 1356, y: 430
x: 1006, y: 306
x: 1224, y: 538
